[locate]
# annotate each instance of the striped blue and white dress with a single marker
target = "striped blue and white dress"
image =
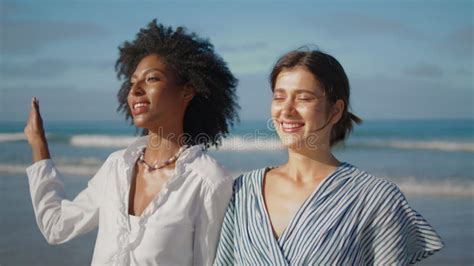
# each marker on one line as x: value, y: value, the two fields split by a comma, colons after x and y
x: 353, y: 218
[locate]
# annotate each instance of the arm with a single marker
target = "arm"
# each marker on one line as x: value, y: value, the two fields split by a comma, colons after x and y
x: 209, y: 222
x: 398, y: 234
x: 225, y: 249
x: 58, y: 219
x: 35, y: 133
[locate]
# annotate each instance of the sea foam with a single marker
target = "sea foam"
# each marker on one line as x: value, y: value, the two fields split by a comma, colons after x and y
x: 101, y: 141
x: 439, y: 145
x: 10, y: 137
x: 236, y: 143
x: 254, y: 143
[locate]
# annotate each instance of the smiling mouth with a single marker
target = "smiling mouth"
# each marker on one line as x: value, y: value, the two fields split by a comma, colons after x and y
x: 139, y: 108
x: 291, y: 127
x: 140, y: 105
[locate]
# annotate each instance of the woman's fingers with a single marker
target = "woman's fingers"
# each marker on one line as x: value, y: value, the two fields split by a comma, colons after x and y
x: 36, y: 103
x: 35, y: 133
x: 34, y: 127
x: 36, y: 109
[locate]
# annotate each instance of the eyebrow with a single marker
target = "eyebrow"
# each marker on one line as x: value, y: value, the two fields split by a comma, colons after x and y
x: 296, y: 91
x: 148, y: 70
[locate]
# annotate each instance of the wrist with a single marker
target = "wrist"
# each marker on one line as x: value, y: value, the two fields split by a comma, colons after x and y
x: 40, y: 150
x: 41, y: 153
x: 39, y: 142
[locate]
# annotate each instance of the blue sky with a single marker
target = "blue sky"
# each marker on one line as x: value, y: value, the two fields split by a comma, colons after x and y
x: 404, y: 59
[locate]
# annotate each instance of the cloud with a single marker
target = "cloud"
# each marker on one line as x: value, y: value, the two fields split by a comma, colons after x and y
x: 39, y: 68
x: 424, y: 70
x: 382, y: 97
x: 464, y: 72
x: 254, y: 96
x: 357, y: 25
x: 48, y: 67
x: 71, y: 103
x: 461, y: 42
x: 245, y: 47
x: 29, y: 37
x: 59, y: 103
x: 7, y: 7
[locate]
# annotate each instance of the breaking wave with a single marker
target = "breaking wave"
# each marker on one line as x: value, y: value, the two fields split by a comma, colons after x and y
x: 255, y: 143
x: 439, y: 145
x: 10, y: 137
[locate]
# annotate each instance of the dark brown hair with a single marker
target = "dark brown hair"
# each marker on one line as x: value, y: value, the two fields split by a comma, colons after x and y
x: 194, y: 62
x: 329, y: 72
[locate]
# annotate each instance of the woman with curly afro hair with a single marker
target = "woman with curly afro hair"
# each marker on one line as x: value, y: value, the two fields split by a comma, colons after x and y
x: 162, y: 199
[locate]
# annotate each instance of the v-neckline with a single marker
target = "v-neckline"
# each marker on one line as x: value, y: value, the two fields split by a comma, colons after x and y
x: 303, y: 206
x: 154, y: 200
x: 132, y: 185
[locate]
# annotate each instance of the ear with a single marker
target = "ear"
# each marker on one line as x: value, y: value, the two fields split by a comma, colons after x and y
x: 188, y: 93
x: 337, y: 111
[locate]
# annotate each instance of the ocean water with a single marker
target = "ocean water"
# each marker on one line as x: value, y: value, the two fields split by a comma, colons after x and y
x: 431, y: 160
x: 430, y: 157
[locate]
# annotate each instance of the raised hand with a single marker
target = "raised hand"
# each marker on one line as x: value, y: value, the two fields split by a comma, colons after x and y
x: 35, y: 133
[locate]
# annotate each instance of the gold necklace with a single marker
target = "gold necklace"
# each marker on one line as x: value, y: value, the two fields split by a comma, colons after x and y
x: 151, y: 168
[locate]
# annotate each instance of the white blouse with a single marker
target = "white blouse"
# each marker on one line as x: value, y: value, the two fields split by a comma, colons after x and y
x: 180, y: 226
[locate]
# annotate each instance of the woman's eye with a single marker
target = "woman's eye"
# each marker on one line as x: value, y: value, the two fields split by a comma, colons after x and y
x: 278, y: 97
x: 305, y: 98
x: 148, y: 79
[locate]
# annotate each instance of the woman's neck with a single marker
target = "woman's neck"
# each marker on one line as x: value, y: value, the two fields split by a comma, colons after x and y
x: 310, y: 165
x: 162, y: 145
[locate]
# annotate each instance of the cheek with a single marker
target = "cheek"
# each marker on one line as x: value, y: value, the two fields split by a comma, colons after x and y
x: 129, y: 101
x: 305, y: 110
x: 275, y: 109
x: 312, y: 113
x: 169, y: 101
x: 165, y: 93
x: 158, y: 97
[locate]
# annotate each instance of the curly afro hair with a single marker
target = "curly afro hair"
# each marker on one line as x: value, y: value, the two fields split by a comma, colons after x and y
x: 194, y: 62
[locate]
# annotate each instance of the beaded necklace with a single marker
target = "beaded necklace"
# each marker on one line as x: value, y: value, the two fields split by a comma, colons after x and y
x: 151, y: 167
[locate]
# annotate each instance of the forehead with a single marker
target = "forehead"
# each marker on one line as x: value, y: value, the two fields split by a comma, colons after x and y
x: 150, y: 62
x: 297, y: 78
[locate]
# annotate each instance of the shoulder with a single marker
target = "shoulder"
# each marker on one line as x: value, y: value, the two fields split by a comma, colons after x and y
x: 111, y: 165
x: 249, y: 181
x: 375, y: 190
x: 117, y: 155
x: 251, y: 176
x: 209, y: 171
x: 366, y: 181
x: 118, y: 161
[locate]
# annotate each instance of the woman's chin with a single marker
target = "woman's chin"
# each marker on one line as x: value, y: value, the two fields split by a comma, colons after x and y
x: 304, y: 144
x: 291, y: 141
x: 140, y: 123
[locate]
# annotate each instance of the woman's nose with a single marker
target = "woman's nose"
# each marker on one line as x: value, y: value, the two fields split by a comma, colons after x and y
x: 137, y: 89
x: 288, y: 107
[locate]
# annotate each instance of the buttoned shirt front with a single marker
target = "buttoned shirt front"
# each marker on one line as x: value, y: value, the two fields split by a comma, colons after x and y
x: 180, y: 226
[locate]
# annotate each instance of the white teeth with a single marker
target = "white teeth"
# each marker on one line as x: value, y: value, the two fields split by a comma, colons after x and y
x: 291, y: 125
x: 138, y: 105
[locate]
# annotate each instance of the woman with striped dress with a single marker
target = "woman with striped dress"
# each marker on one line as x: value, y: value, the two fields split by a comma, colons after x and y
x: 314, y: 209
